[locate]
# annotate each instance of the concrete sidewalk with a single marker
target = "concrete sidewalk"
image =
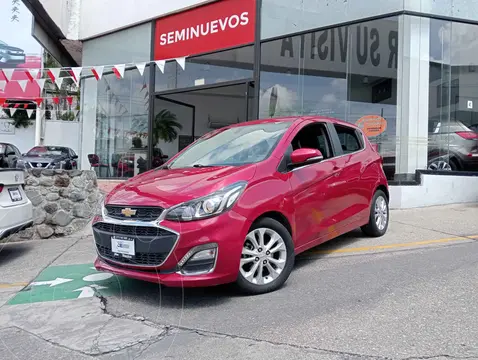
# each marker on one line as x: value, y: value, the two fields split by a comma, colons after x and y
x: 113, y: 327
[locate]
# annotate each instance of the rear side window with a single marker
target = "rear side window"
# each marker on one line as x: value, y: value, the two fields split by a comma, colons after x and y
x: 349, y: 139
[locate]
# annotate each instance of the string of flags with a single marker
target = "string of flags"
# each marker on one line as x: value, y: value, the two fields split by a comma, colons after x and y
x: 75, y: 73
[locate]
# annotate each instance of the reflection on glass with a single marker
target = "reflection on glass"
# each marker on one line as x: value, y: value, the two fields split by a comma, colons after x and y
x: 453, y: 119
x: 347, y: 72
x: 121, y: 125
x: 233, y: 146
x: 207, y: 69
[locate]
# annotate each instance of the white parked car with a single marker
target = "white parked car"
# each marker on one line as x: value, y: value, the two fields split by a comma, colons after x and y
x: 16, y: 210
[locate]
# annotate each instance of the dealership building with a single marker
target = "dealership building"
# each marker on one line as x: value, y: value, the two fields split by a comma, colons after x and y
x: 403, y: 70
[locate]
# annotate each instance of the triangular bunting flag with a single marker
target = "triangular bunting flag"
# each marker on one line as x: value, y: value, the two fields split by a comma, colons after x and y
x: 97, y: 71
x: 41, y: 84
x: 119, y: 70
x: 161, y: 64
x: 30, y: 112
x: 12, y: 111
x: 8, y: 73
x: 54, y: 73
x: 182, y: 62
x: 141, y: 67
x: 3, y: 83
x: 32, y: 73
x: 39, y: 101
x: 17, y: 105
x: 25, y: 106
x: 23, y: 84
x: 2, y: 101
x: 56, y: 100
x: 76, y: 72
x: 69, y: 99
x: 59, y: 81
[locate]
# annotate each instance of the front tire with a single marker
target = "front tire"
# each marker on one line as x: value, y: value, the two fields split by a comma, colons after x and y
x: 379, y: 216
x: 267, y: 258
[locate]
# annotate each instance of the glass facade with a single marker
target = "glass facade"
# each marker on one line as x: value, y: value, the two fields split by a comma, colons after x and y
x: 408, y: 81
x: 347, y: 72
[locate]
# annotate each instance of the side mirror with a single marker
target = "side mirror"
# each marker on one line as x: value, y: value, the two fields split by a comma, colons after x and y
x: 74, y: 157
x: 305, y: 156
x: 24, y: 154
x: 165, y: 156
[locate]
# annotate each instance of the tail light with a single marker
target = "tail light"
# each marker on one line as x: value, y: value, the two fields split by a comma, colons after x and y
x: 468, y: 135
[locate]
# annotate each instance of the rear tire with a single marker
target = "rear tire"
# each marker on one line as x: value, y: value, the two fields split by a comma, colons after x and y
x: 379, y: 216
x: 267, y: 258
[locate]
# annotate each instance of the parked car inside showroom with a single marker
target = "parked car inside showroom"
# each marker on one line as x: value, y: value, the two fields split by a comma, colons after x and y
x: 16, y: 210
x: 241, y: 202
x: 49, y: 157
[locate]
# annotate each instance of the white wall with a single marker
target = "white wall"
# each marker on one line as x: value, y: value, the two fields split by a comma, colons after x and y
x: 63, y: 133
x: 23, y: 139
x: 102, y: 16
x: 435, y: 190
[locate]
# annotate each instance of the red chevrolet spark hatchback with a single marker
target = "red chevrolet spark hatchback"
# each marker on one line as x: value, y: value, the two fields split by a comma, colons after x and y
x: 238, y: 204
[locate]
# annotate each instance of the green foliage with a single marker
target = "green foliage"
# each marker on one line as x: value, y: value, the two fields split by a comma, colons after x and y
x: 20, y: 118
x: 165, y: 127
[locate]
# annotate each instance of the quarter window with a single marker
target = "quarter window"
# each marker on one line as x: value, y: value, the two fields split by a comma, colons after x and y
x: 348, y: 139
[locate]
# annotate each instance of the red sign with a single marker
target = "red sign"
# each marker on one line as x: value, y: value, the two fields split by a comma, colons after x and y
x: 219, y: 25
x: 13, y: 90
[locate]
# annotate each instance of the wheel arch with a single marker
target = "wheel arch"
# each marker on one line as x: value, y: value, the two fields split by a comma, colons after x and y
x: 279, y: 217
x: 385, y: 191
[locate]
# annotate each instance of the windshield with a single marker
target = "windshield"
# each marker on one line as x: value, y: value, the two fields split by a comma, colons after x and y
x: 47, y: 151
x: 233, y: 146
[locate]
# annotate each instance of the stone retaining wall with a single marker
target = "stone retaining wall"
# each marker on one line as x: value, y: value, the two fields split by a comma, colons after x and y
x: 64, y: 202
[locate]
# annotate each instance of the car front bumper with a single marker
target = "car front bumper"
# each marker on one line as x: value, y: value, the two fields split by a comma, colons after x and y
x: 161, y: 253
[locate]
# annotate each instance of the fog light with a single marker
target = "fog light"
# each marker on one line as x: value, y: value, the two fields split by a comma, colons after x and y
x: 199, y: 260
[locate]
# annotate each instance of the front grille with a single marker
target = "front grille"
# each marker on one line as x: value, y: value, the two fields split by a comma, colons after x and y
x: 38, y: 164
x: 138, y: 259
x: 132, y: 230
x: 143, y: 213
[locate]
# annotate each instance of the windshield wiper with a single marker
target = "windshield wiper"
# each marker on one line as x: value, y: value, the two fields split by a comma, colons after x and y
x: 202, y: 166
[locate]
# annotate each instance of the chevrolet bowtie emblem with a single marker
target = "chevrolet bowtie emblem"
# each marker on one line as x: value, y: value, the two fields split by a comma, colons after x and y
x: 128, y: 212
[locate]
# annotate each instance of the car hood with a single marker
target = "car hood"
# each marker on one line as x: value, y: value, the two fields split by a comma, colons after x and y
x: 43, y: 159
x: 169, y: 187
x: 10, y: 48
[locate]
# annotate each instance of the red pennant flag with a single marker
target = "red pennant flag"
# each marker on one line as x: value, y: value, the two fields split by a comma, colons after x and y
x: 54, y: 73
x: 25, y: 106
x: 39, y: 101
x: 16, y: 106
x: 69, y: 99
x: 2, y: 102
x: 56, y: 100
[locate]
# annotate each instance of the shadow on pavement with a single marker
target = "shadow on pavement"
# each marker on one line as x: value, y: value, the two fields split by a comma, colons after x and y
x: 11, y: 251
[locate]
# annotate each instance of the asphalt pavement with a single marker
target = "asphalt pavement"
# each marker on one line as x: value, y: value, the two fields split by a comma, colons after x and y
x: 408, y: 295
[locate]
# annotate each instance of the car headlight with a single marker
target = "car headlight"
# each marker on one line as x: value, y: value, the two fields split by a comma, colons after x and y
x: 20, y: 164
x: 207, y: 206
x: 3, y: 51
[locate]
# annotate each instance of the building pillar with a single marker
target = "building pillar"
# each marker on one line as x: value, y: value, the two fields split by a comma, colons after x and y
x: 413, y: 96
x: 88, y: 107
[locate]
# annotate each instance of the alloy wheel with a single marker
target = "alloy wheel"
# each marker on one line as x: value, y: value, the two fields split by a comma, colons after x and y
x: 440, y: 166
x: 264, y: 256
x: 381, y: 213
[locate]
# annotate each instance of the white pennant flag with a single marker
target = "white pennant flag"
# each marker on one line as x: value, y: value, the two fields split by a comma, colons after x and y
x: 77, y: 73
x: 119, y: 70
x: 182, y: 62
x: 98, y: 72
x: 59, y: 81
x: 141, y: 67
x: 30, y: 112
x: 41, y: 83
x: 2, y: 85
x: 33, y: 73
x: 54, y: 73
x: 23, y: 84
x: 161, y: 64
x: 8, y: 73
x: 12, y: 111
